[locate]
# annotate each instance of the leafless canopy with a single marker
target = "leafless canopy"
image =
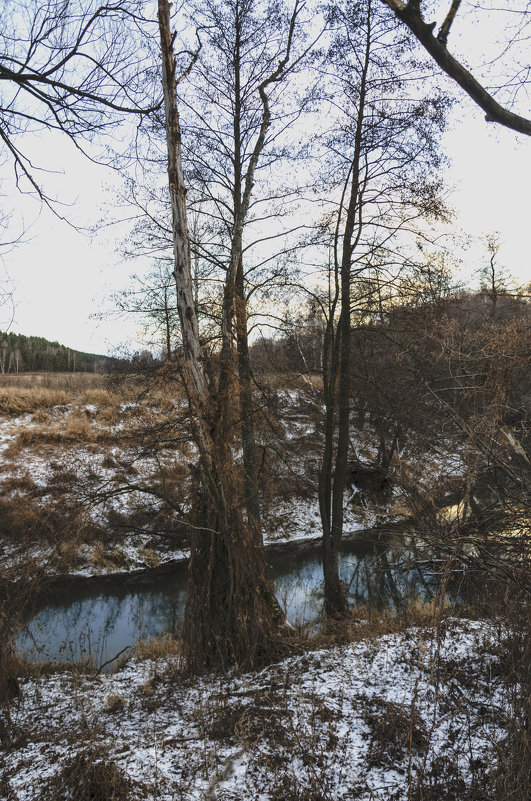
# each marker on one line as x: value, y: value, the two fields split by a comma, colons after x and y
x: 69, y: 66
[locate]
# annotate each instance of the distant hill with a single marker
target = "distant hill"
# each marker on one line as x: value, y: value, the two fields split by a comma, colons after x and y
x: 22, y: 354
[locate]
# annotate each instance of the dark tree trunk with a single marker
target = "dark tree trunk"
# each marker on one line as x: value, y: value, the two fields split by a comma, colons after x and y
x: 230, y: 612
x: 252, y: 498
x: 337, y: 356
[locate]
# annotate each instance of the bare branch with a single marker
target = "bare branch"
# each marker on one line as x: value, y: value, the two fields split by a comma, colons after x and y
x: 411, y: 16
x: 442, y: 36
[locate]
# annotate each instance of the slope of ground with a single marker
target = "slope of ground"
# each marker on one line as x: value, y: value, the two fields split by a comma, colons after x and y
x: 96, y: 479
x: 414, y: 715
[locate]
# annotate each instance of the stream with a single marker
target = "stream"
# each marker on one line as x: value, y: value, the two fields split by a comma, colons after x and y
x: 101, y: 617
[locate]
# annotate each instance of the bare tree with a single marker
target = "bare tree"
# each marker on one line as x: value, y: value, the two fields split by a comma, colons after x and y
x: 494, y: 279
x: 236, y: 114
x: 387, y: 154
x: 152, y: 299
x: 73, y: 67
x: 236, y: 120
x: 230, y: 615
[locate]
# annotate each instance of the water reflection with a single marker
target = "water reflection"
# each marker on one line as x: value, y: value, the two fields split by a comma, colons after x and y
x: 101, y: 622
x: 103, y: 618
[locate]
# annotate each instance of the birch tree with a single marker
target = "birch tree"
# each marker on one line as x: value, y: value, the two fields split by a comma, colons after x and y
x: 231, y: 614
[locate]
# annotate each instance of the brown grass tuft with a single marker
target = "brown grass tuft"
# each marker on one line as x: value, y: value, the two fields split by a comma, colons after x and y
x: 158, y: 648
x: 16, y: 401
x: 68, y: 382
x: 89, y: 776
x: 396, y: 730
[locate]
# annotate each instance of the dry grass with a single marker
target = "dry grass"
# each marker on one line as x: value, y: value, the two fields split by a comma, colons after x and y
x: 107, y: 558
x: 28, y: 521
x: 395, y: 731
x: 66, y: 382
x: 15, y: 401
x: 158, y: 648
x: 76, y: 427
x: 99, y: 397
x: 32, y: 393
x: 287, y: 381
x: 89, y: 776
x: 262, y: 717
x: 369, y: 623
x: 73, y: 430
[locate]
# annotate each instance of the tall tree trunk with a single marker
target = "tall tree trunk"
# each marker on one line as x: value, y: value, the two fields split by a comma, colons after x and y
x: 240, y: 206
x: 234, y: 299
x: 252, y: 497
x: 337, y: 352
x: 167, y: 324
x: 333, y: 588
x: 230, y: 615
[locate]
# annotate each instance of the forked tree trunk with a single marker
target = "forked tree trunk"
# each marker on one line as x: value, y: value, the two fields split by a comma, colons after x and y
x: 234, y: 300
x: 230, y: 612
x: 337, y: 350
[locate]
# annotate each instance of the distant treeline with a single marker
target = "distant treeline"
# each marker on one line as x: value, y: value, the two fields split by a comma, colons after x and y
x: 22, y: 354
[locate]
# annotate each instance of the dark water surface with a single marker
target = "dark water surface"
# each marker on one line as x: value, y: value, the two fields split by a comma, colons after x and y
x: 101, y: 617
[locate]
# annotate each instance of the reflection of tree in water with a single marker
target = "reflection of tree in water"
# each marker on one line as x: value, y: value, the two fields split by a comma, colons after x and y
x: 100, y: 625
x: 103, y: 620
x: 72, y: 631
x: 375, y: 574
x: 158, y: 612
x: 298, y: 587
x: 374, y: 578
x: 391, y: 576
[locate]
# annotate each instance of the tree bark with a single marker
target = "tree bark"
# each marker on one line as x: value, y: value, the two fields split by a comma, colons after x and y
x: 252, y: 495
x: 338, y: 348
x: 230, y: 615
x: 234, y: 300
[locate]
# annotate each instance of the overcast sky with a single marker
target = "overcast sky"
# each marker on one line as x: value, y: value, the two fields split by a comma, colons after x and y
x: 62, y: 278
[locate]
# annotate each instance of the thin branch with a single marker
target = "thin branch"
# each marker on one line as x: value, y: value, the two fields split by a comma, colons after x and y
x: 442, y: 36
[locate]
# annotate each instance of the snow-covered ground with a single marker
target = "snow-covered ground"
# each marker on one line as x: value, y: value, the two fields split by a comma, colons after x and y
x: 93, y: 470
x: 375, y: 720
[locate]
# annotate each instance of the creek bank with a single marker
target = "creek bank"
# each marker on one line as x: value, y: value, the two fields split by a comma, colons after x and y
x: 289, y: 548
x: 372, y: 720
x: 98, y: 617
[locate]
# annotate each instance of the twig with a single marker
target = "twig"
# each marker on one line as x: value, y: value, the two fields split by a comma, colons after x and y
x: 108, y: 662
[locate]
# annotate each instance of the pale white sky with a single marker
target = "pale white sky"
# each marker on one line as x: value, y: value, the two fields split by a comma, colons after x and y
x: 61, y: 277
x: 491, y: 171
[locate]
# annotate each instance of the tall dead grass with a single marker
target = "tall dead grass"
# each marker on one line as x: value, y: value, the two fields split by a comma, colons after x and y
x: 30, y: 393
x: 67, y: 382
x: 16, y: 401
